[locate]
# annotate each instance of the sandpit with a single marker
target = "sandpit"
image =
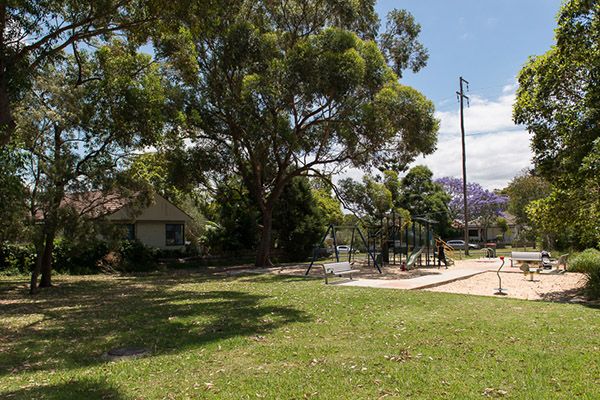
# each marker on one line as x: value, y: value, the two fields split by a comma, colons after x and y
x: 565, y: 287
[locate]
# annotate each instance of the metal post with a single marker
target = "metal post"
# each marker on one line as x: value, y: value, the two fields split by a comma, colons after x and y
x: 330, y: 227
x: 464, y: 162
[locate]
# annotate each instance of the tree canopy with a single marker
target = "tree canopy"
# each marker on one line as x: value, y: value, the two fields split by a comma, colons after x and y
x: 81, y: 118
x: 299, y: 88
x: 558, y: 101
x: 423, y: 197
x: 522, y: 190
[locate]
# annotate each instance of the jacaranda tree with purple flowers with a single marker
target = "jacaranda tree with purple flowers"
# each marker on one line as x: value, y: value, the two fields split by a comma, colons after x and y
x: 483, y: 205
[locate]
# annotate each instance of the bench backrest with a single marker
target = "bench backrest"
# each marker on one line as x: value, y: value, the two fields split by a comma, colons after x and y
x: 526, y: 255
x: 562, y: 260
x: 333, y: 268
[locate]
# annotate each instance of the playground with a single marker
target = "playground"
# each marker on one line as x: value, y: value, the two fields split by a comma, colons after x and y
x: 401, y: 255
x: 472, y: 276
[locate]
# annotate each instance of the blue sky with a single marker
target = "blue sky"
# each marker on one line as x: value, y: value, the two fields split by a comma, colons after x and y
x: 486, y: 42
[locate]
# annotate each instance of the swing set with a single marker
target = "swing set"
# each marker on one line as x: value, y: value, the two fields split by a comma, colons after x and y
x: 351, y: 253
x: 406, y: 242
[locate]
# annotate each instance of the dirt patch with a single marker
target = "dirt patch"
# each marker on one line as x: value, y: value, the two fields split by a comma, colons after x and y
x: 546, y: 287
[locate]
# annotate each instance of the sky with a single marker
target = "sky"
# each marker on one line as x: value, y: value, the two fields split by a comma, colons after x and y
x: 486, y: 42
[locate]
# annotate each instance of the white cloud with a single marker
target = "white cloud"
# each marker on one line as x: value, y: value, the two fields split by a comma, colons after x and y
x: 482, y: 115
x: 496, y: 149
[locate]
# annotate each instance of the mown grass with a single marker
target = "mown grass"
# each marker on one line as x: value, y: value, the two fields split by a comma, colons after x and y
x: 276, y: 337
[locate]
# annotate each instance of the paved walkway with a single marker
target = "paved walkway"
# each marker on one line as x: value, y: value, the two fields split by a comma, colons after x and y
x: 421, y: 282
x: 425, y: 281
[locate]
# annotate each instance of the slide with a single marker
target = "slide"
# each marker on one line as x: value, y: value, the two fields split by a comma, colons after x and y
x: 413, y: 256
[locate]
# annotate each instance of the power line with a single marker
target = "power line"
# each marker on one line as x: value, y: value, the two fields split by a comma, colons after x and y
x: 483, y: 134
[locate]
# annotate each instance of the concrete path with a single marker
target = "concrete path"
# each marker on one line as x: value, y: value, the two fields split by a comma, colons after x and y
x: 414, y: 283
x: 425, y: 281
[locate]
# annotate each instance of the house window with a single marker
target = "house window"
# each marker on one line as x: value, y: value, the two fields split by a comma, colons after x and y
x: 174, y: 234
x: 130, y: 232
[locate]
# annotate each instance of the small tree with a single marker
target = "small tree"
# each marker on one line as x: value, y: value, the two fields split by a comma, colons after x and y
x: 298, y: 222
x: 502, y: 224
x: 84, y: 114
x: 369, y: 199
x: 421, y: 196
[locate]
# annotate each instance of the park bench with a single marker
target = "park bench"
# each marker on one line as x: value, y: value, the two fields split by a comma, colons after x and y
x: 525, y: 256
x: 338, y: 269
x: 562, y: 260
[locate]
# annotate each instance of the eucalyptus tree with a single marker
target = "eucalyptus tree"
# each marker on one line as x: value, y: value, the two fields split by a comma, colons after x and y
x: 75, y: 126
x: 35, y: 32
x: 557, y: 100
x: 285, y: 89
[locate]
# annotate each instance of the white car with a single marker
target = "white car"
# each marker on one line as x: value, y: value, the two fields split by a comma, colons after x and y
x: 343, y: 249
x: 460, y: 245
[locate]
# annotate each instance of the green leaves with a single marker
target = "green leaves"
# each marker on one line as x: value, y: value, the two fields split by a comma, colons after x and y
x: 399, y: 42
x: 558, y: 101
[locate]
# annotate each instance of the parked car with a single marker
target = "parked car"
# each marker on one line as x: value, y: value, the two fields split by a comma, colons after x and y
x: 343, y: 249
x: 460, y: 245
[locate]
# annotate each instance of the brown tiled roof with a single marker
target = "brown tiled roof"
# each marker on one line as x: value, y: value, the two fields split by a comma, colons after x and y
x: 93, y: 204
x: 96, y: 203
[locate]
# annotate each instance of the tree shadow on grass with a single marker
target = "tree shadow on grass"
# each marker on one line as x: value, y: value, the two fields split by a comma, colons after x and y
x: 74, y: 389
x: 71, y: 325
x: 266, y: 278
x: 562, y: 296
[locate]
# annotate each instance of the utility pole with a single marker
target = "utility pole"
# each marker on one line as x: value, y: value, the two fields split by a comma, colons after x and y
x: 461, y: 97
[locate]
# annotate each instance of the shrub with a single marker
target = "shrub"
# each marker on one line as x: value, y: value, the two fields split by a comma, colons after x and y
x: 588, y: 263
x: 79, y: 258
x: 16, y: 259
x: 137, y: 257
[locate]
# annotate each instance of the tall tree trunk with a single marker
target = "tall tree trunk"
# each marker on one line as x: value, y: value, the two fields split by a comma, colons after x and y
x: 46, y: 280
x: 264, y: 249
x: 39, y: 252
x: 7, y: 123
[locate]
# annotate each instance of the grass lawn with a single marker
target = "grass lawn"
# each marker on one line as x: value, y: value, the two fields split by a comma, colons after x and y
x: 276, y: 337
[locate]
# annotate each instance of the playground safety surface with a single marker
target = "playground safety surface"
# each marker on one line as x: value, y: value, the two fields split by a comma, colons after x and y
x: 474, y: 276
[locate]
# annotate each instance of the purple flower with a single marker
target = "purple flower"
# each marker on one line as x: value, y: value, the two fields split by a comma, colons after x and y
x: 483, y: 205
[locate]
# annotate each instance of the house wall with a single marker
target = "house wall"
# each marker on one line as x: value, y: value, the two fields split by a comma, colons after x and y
x: 160, y: 210
x: 153, y: 233
x: 150, y: 225
x: 492, y: 232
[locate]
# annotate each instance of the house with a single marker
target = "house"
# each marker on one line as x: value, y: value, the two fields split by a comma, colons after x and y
x: 477, y: 231
x: 161, y: 225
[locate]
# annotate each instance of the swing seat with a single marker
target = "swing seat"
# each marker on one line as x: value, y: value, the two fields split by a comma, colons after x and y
x: 338, y: 269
